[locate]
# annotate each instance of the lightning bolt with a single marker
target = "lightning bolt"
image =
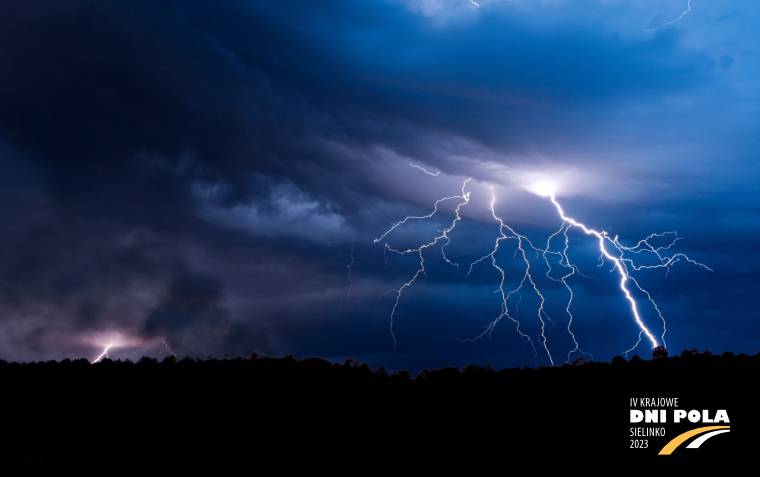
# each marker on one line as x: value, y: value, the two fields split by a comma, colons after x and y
x: 620, y: 256
x: 425, y: 171
x: 104, y: 353
x: 564, y: 261
x: 444, y: 236
x: 166, y: 348
x: 621, y: 264
x: 435, y: 210
x: 521, y: 239
x: 688, y: 5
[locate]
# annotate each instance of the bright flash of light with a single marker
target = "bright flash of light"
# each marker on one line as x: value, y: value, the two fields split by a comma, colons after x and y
x: 544, y: 188
x: 610, y: 249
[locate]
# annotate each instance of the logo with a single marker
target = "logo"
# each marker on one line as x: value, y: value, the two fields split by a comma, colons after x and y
x: 654, y: 420
x: 707, y: 432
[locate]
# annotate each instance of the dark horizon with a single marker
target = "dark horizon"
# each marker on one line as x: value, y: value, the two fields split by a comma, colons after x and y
x: 286, y: 414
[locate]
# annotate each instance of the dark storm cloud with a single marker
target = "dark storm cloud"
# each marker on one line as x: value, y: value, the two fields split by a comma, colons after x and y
x: 197, y: 170
x: 191, y: 297
x: 221, y: 90
x: 194, y: 318
x: 377, y: 71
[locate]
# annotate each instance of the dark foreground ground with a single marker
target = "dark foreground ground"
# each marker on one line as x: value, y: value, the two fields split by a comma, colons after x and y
x: 258, y: 415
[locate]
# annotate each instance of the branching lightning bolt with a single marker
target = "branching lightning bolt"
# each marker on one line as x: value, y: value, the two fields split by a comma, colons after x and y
x: 505, y: 296
x: 688, y: 5
x: 444, y: 236
x: 435, y: 210
x: 610, y: 249
x: 620, y: 256
x: 521, y: 239
x: 564, y: 260
x: 620, y: 264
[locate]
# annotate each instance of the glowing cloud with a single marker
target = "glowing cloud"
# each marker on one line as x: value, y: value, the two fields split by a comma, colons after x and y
x: 543, y: 188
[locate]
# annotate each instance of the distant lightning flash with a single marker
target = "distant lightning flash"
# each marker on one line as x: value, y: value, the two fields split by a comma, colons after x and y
x: 104, y: 353
x: 168, y: 350
x: 688, y: 5
x: 610, y: 249
x: 121, y: 340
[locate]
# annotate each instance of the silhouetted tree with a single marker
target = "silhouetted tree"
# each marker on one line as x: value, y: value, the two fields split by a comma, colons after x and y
x: 350, y: 363
x: 659, y: 352
x: 364, y: 367
x: 147, y: 361
x: 578, y: 361
x: 402, y: 375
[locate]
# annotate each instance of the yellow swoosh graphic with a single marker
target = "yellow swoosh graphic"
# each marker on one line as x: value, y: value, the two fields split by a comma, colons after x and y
x: 678, y: 440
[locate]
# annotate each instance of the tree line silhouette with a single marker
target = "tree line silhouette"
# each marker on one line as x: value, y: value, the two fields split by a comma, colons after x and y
x: 260, y: 413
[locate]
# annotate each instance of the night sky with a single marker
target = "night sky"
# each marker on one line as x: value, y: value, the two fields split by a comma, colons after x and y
x: 199, y: 173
